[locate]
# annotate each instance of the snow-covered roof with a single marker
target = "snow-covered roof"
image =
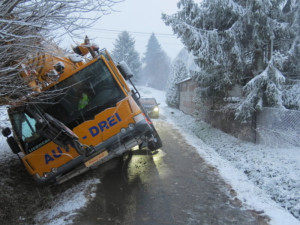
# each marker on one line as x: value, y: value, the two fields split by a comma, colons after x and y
x: 184, y: 80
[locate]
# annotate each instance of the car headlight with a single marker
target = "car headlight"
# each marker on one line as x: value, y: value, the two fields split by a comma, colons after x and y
x: 155, y: 109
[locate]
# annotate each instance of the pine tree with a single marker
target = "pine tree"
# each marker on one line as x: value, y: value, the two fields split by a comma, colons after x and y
x: 124, y: 50
x: 157, y: 65
x: 265, y: 89
x: 235, y: 41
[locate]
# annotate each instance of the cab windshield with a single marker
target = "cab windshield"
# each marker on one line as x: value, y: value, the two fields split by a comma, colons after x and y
x: 86, y: 94
x: 83, y: 95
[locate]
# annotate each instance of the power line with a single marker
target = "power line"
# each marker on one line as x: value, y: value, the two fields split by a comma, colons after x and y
x: 133, y: 32
x: 165, y: 39
x: 139, y: 40
x: 136, y: 39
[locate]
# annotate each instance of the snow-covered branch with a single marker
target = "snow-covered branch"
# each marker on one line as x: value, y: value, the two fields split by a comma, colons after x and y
x: 26, y: 26
x: 237, y: 42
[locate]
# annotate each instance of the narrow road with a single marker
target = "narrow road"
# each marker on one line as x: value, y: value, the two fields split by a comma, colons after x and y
x: 171, y: 186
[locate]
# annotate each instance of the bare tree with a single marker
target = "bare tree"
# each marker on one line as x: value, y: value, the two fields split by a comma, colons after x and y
x: 26, y: 26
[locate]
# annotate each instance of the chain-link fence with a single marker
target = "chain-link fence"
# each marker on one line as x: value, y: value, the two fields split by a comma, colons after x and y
x: 278, y: 127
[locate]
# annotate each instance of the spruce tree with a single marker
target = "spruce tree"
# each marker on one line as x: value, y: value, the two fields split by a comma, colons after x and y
x: 124, y: 50
x: 236, y: 41
x: 157, y: 65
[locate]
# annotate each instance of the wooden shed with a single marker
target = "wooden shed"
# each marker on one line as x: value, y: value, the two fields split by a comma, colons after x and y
x: 186, y: 89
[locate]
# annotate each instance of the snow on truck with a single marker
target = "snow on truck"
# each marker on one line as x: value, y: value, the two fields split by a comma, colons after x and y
x: 94, y: 116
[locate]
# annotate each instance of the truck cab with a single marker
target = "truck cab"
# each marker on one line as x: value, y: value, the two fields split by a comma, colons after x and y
x: 90, y: 117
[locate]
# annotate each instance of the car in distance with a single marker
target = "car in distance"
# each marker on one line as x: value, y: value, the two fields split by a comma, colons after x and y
x: 151, y: 106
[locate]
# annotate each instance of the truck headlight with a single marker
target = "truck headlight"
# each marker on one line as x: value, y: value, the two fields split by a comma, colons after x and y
x: 131, y: 126
x: 155, y: 109
x: 46, y: 174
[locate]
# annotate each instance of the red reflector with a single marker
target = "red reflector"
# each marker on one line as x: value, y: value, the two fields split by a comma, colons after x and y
x: 148, y: 121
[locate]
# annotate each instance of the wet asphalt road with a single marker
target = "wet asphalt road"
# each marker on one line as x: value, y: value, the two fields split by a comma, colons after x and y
x: 171, y: 186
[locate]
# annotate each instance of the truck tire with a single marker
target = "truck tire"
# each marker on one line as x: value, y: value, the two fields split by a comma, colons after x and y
x: 155, y: 144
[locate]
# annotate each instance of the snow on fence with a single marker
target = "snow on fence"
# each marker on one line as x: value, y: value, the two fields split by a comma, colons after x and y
x: 272, y: 126
x: 278, y: 127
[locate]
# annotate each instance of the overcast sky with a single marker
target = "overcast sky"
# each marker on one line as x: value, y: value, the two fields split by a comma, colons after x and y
x: 140, y: 18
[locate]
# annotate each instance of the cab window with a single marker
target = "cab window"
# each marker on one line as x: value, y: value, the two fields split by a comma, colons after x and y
x: 28, y: 127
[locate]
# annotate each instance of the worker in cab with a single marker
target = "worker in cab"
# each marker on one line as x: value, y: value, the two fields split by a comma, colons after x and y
x: 83, y: 101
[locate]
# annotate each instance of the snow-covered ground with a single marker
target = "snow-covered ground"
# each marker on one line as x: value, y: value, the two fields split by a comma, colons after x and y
x: 265, y: 179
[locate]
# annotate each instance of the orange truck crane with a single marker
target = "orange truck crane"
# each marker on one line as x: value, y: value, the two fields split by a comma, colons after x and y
x: 94, y: 115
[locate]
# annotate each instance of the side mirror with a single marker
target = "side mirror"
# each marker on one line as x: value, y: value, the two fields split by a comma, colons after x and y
x: 13, y: 145
x: 125, y: 70
x: 11, y: 141
x: 6, y: 132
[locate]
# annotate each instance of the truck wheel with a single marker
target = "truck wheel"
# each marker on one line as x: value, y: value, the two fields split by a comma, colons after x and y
x: 155, y: 144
